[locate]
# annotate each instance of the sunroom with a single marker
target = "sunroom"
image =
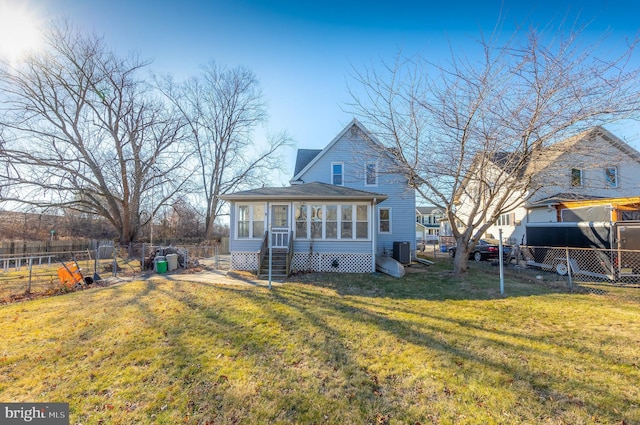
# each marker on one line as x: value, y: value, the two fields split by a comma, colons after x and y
x: 306, y: 227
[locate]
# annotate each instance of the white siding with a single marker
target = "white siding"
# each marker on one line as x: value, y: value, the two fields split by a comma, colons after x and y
x: 593, y: 162
x: 592, y: 157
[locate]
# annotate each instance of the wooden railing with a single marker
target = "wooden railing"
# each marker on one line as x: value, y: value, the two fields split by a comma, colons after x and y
x: 263, y: 251
x: 289, y: 255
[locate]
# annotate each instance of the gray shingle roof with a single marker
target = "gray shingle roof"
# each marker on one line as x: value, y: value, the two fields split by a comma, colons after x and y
x: 306, y: 192
x: 304, y: 157
x: 563, y: 197
x: 427, y: 210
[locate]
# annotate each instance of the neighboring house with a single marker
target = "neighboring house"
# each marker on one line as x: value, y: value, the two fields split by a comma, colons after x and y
x: 599, y: 209
x: 428, y: 223
x: 344, y: 207
x: 592, y: 166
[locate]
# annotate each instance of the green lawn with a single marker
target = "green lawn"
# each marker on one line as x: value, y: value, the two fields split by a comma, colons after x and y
x: 336, y: 349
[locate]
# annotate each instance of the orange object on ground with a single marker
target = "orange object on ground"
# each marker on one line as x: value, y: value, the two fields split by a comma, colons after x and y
x: 70, y: 275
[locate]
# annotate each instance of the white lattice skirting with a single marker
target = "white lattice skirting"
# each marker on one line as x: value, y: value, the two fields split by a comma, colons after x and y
x: 316, y: 262
x: 244, y: 261
x: 328, y: 262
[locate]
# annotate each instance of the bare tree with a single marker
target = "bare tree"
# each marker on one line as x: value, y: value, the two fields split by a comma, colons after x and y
x: 82, y: 131
x: 223, y: 108
x: 449, y: 125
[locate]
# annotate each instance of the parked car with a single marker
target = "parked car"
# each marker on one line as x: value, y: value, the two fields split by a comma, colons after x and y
x: 485, y: 249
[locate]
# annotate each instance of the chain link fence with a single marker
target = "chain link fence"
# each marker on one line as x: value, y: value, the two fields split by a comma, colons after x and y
x: 590, y: 265
x: 189, y: 256
x: 28, y: 275
x: 49, y: 273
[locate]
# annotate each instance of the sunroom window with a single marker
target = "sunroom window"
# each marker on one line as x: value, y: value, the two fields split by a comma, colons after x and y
x: 332, y: 221
x: 362, y: 222
x: 346, y: 229
x: 250, y: 221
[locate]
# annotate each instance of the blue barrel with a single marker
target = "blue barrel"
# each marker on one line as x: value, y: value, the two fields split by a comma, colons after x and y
x: 443, y: 248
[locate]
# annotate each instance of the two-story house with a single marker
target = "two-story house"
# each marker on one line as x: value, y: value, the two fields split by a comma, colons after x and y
x: 344, y: 207
x: 428, y: 223
x: 591, y: 168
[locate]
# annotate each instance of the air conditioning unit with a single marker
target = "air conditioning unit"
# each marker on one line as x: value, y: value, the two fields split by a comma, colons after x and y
x: 402, y: 252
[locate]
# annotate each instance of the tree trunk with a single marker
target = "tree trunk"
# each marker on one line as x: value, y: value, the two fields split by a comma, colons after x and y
x: 461, y: 260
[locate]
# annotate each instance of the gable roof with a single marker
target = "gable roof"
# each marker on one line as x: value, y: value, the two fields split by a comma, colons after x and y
x: 542, y: 157
x: 315, y: 191
x: 354, y: 122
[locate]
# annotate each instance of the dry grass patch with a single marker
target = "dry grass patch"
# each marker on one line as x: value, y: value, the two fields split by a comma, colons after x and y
x: 334, y: 349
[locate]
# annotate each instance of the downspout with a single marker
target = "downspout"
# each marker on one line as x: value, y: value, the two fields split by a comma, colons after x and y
x: 373, y: 236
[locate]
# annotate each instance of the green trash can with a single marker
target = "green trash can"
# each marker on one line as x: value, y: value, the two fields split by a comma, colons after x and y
x: 160, y: 264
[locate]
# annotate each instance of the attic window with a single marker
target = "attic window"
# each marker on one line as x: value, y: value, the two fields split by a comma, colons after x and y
x: 611, y: 176
x: 576, y: 177
x: 337, y: 173
x: 371, y: 173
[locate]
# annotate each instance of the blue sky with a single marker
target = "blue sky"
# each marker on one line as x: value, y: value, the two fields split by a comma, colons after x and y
x: 304, y: 53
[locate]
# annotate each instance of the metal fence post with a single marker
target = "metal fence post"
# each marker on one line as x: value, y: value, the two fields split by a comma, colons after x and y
x: 30, y: 274
x: 115, y: 262
x: 569, y: 269
x: 501, y: 262
x: 95, y: 260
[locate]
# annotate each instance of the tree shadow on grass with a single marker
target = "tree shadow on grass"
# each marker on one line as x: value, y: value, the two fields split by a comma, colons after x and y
x: 481, y: 353
x: 307, y: 352
x: 435, y: 284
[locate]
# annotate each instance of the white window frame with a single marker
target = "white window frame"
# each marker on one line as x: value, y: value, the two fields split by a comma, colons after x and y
x: 504, y: 220
x: 366, y: 173
x: 356, y: 221
x: 333, y: 175
x: 353, y: 220
x: 252, y: 219
x: 380, y: 220
x: 325, y: 221
x: 615, y: 182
